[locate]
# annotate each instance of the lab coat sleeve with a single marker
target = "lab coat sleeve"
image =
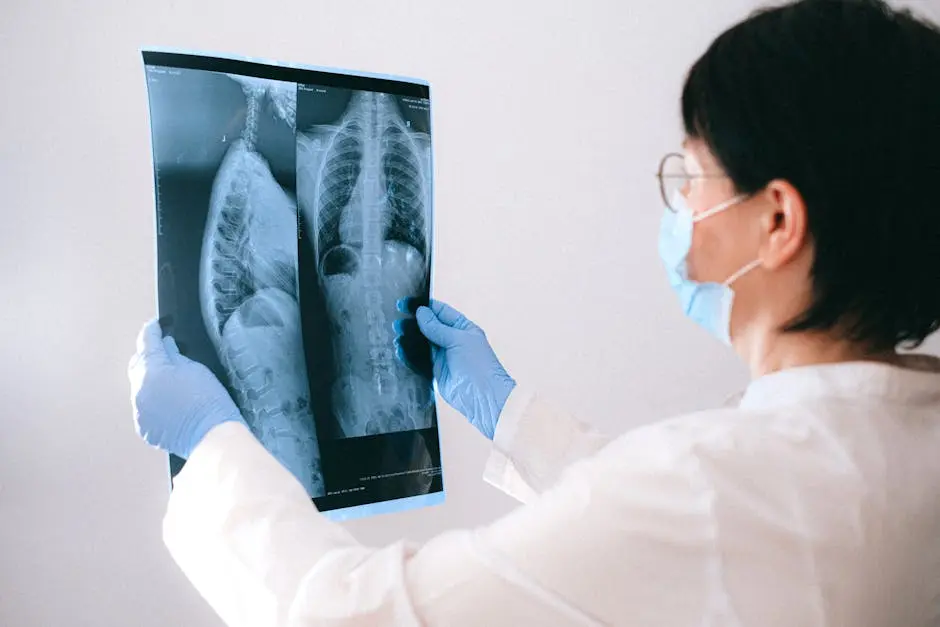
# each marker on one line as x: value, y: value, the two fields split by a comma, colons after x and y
x: 598, y: 546
x: 534, y: 442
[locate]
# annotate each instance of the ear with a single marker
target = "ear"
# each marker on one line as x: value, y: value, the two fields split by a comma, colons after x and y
x: 783, y: 225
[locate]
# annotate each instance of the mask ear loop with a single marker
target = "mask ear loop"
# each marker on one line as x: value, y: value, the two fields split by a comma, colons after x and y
x: 740, y: 273
x: 717, y: 208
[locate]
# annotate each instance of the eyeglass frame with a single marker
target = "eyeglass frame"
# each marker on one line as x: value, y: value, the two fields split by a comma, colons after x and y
x: 687, y: 177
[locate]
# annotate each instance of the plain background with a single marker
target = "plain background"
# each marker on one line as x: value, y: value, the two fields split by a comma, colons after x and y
x: 550, y: 117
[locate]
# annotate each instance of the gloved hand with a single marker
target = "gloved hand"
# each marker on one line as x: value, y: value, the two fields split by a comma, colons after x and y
x: 176, y: 400
x: 468, y: 374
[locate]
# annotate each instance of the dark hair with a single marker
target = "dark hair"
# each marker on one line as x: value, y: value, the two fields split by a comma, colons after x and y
x: 842, y: 99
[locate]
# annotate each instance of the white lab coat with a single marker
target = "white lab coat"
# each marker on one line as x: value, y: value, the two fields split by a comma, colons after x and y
x: 815, y: 502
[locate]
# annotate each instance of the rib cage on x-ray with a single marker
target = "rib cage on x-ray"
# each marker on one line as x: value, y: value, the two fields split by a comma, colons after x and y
x: 249, y: 292
x: 363, y: 187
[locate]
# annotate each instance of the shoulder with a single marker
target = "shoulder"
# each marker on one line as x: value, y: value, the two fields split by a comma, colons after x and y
x: 736, y: 489
x: 743, y: 467
x: 706, y: 442
x: 716, y: 429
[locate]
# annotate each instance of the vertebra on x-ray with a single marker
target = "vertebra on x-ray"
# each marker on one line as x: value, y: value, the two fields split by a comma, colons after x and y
x: 248, y: 293
x: 362, y: 185
x: 281, y: 95
x: 261, y: 348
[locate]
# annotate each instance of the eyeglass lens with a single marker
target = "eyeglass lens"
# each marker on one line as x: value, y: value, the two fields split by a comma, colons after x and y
x: 673, y: 177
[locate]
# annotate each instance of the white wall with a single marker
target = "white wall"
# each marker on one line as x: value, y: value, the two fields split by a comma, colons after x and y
x: 550, y: 118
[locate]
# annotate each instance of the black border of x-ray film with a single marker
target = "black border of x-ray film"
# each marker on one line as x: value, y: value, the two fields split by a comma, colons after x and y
x: 365, y: 470
x: 287, y: 74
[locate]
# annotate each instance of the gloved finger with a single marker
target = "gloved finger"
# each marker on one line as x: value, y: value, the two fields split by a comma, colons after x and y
x: 135, y: 367
x: 138, y: 428
x: 423, y: 368
x: 413, y: 349
x: 433, y: 329
x: 150, y: 350
x: 150, y: 339
x: 408, y: 327
x: 172, y: 350
x: 399, y: 326
x: 450, y: 316
x: 410, y: 304
x: 437, y: 362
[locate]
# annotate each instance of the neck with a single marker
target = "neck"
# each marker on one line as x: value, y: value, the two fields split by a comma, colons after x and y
x: 769, y: 352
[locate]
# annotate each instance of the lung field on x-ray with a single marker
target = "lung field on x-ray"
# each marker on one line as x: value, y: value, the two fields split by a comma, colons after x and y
x: 363, y: 187
x: 249, y: 289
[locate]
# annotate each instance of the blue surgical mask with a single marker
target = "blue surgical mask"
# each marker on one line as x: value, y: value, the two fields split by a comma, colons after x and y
x: 708, y: 304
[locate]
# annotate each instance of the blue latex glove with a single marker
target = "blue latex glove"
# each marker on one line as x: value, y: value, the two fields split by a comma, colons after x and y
x: 176, y: 400
x: 468, y: 374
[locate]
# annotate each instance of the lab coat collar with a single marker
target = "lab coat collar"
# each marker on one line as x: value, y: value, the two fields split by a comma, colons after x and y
x: 915, y: 381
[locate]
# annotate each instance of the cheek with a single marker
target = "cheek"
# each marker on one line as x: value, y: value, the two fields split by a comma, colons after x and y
x: 704, y: 255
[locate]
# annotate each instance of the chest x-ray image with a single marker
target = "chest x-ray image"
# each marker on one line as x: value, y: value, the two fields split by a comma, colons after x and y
x: 362, y: 184
x: 293, y: 213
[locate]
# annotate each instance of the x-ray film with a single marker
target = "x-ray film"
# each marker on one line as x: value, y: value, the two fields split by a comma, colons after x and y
x: 293, y: 215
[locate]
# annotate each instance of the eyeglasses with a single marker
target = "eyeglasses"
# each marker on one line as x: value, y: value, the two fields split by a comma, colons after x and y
x: 674, y: 177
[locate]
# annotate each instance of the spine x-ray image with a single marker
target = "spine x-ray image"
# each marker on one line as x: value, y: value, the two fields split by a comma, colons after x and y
x: 293, y: 214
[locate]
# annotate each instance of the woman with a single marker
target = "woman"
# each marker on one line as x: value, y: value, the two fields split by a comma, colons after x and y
x: 802, y: 228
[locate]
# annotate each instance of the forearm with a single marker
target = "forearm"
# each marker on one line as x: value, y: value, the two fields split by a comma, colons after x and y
x: 245, y: 534
x: 534, y: 442
x: 233, y: 514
